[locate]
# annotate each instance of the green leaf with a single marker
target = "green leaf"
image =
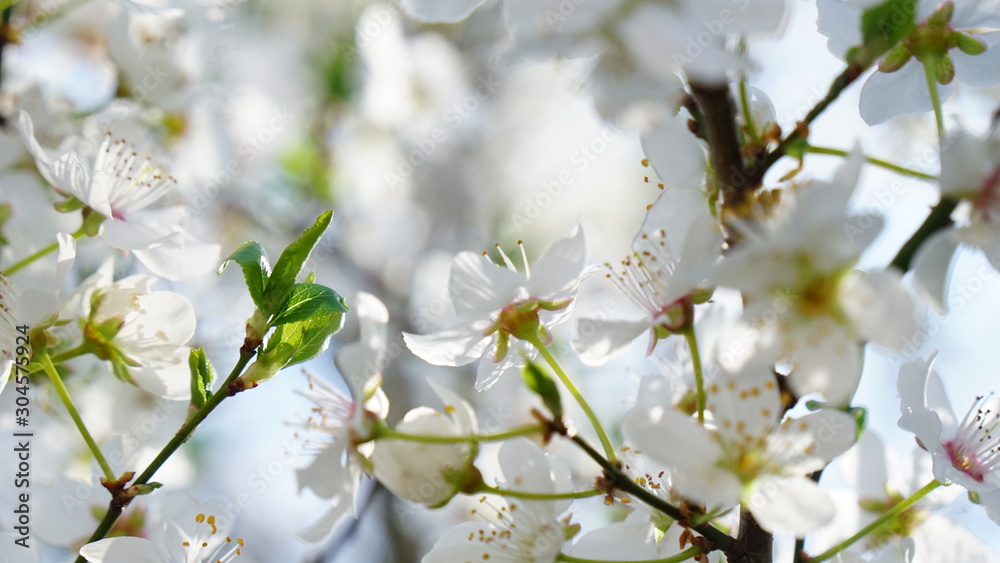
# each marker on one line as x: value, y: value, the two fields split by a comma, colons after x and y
x: 253, y: 260
x: 289, y: 264
x: 308, y: 300
x: 542, y: 384
x: 882, y: 27
x: 311, y: 317
x: 202, y: 376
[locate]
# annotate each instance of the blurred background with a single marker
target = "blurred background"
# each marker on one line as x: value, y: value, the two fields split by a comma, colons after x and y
x: 425, y: 140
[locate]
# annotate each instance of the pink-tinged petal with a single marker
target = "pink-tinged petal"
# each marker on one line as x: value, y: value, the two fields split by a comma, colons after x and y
x: 914, y: 416
x: 440, y: 11
x: 455, y: 346
x: 124, y: 550
x: 881, y: 310
x: 671, y: 438
x: 932, y: 268
x: 561, y: 266
x: 827, y: 361
x: 479, y: 287
x: 676, y: 155
x: 597, y: 340
x: 794, y: 505
x: 887, y: 95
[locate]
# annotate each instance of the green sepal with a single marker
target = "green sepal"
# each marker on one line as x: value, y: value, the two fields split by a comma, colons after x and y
x: 104, y: 332
x: 253, y: 261
x: 974, y: 497
x: 542, y: 384
x: 92, y: 222
x: 202, y: 376
x: 942, y: 16
x: 968, y: 44
x: 68, y: 205
x: 308, y: 300
x: 290, y: 263
x: 944, y: 69
x: 702, y: 295
x: 798, y: 148
x: 860, y: 416
x: 895, y: 58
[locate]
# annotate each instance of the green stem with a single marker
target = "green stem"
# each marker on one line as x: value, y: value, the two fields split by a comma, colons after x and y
x: 602, y: 434
x: 43, y: 252
x: 538, y: 496
x: 50, y: 370
x: 386, y: 433
x: 876, y: 161
x: 699, y: 378
x: 932, y: 88
x: 939, y: 218
x: 751, y: 127
x: 718, y: 538
x: 80, y: 350
x: 115, y: 509
x: 878, y: 522
x: 688, y: 553
x: 839, y: 84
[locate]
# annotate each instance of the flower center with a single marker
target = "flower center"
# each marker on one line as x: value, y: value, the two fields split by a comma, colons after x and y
x: 196, y: 550
x: 975, y: 449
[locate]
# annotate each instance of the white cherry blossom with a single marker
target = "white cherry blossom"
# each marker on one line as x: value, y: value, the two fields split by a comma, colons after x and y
x: 341, y: 427
x: 180, y: 529
x: 958, y: 39
x: 120, y: 185
x: 494, y: 303
x: 669, y: 264
x: 965, y: 451
x: 519, y: 530
x: 804, y: 301
x: 749, y: 454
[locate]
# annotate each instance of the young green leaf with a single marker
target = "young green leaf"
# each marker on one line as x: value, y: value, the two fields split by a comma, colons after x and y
x: 253, y: 260
x: 542, y: 384
x: 202, y: 376
x: 882, y: 27
x: 290, y: 263
x: 308, y: 300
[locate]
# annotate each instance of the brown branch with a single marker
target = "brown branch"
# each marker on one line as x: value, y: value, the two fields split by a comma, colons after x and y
x: 719, y: 119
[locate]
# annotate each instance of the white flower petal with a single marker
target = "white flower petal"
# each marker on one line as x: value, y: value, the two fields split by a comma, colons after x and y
x: 827, y: 361
x: 676, y: 155
x: 479, y: 287
x: 932, y: 268
x: 455, y: 346
x: 124, y: 550
x: 915, y: 417
x: 561, y: 266
x: 440, y: 11
x: 887, y: 95
x: 597, y: 340
x: 794, y: 505
x: 671, y: 438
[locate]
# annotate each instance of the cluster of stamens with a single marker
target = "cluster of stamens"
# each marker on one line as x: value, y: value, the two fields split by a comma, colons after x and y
x: 975, y: 449
x: 134, y: 182
x: 195, y: 551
